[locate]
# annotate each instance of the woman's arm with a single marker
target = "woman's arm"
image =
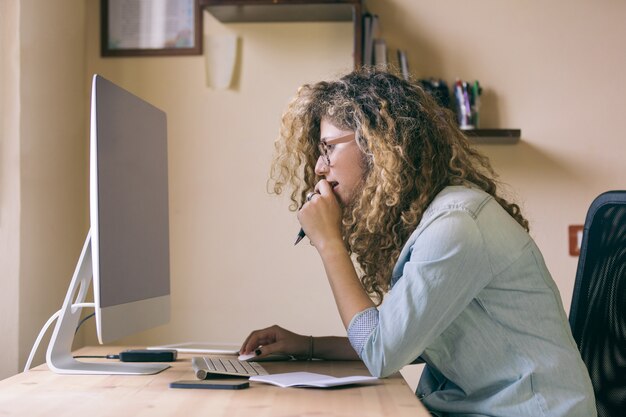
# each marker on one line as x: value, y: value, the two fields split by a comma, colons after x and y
x: 333, y: 348
x: 321, y: 220
x: 348, y: 291
x: 275, y: 339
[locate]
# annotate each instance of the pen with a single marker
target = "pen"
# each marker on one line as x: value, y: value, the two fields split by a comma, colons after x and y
x: 476, y: 91
x: 301, y: 233
x: 300, y: 236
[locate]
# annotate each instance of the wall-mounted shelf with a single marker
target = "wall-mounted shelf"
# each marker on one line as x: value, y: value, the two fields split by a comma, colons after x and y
x: 243, y: 11
x: 494, y: 136
x: 240, y: 11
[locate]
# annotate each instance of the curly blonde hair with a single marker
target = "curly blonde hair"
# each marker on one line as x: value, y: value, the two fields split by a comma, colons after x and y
x: 412, y: 149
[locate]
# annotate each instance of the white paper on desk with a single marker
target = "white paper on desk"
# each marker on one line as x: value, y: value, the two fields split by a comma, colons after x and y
x: 201, y: 347
x: 309, y: 379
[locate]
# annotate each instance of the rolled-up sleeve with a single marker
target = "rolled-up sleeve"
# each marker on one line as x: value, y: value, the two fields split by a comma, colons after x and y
x: 447, y: 268
x: 361, y: 327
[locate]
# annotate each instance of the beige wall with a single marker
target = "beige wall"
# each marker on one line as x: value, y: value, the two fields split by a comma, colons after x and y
x: 52, y: 156
x: 552, y: 69
x: 9, y: 184
x: 44, y: 205
x: 233, y: 264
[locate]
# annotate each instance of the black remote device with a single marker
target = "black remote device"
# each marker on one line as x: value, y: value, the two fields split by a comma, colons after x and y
x: 148, y: 355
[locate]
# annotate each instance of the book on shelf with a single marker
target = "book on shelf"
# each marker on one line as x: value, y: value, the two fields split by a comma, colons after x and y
x: 367, y: 39
x: 380, y: 53
x: 371, y: 32
x: 403, y: 64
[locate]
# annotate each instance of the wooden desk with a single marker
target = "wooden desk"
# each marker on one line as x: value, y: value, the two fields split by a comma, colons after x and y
x: 43, y: 393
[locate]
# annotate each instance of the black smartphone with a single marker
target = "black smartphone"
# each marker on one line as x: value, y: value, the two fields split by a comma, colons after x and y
x: 210, y: 384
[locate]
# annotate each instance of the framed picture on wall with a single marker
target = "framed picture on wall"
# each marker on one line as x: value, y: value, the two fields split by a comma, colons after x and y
x: 150, y: 27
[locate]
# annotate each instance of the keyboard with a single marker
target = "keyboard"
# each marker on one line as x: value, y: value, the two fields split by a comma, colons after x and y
x: 207, y: 365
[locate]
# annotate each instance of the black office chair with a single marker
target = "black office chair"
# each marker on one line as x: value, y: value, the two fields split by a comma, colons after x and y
x: 598, y: 312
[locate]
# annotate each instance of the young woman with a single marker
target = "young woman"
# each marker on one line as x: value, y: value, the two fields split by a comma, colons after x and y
x: 398, y: 188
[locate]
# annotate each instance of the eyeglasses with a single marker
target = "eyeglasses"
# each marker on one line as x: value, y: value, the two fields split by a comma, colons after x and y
x: 326, y: 146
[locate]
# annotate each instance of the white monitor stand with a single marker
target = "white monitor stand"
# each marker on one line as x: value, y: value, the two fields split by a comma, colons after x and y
x: 59, y: 355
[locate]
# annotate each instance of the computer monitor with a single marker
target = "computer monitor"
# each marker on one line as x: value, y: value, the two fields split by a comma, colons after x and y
x: 126, y: 251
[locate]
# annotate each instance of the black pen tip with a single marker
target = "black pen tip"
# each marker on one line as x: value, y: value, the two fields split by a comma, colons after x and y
x: 301, y: 235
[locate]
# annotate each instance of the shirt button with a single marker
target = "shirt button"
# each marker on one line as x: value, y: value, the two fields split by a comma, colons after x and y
x: 420, y: 396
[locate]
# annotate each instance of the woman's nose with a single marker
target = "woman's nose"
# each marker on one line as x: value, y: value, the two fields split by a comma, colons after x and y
x: 320, y: 167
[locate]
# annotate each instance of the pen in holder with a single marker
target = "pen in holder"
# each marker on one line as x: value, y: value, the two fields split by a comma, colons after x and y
x: 467, y: 103
x: 475, y: 103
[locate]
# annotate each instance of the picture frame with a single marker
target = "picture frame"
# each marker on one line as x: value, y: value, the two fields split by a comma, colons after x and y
x: 147, y: 28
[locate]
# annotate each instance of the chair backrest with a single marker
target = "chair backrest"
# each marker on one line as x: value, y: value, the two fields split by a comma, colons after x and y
x: 598, y: 311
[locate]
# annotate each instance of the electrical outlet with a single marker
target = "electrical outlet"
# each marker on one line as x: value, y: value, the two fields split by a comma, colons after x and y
x: 575, y: 239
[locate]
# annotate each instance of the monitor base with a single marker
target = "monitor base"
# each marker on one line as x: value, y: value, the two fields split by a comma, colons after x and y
x: 59, y: 354
x: 74, y: 367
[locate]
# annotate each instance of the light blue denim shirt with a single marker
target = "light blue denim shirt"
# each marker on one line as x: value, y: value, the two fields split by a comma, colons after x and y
x: 471, y: 295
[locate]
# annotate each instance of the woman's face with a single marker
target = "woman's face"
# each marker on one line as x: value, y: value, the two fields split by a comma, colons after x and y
x: 345, y: 171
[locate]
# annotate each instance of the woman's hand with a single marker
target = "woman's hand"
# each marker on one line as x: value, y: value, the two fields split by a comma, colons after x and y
x: 321, y: 216
x: 275, y: 339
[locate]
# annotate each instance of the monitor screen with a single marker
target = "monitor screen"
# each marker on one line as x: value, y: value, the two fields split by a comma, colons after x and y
x: 129, y: 212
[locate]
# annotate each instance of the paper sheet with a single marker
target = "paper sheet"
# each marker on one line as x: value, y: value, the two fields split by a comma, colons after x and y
x: 309, y: 379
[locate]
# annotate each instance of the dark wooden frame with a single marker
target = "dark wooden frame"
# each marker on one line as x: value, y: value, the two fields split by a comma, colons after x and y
x: 108, y: 52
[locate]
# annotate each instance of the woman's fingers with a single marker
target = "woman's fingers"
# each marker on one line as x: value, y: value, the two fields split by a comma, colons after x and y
x: 323, y: 188
x: 258, y: 338
x: 320, y: 217
x: 273, y: 339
